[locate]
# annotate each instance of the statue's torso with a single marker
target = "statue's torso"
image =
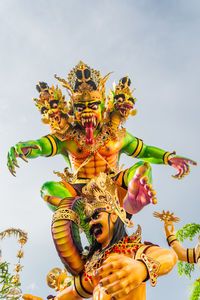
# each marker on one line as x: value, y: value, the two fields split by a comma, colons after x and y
x: 92, y: 163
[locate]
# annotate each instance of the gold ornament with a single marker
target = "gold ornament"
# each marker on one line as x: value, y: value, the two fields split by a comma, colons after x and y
x: 84, y: 84
x: 20, y: 253
x: 66, y: 214
x: 123, y: 98
x: 15, y: 278
x: 18, y: 268
x: 58, y: 279
x: 100, y: 194
x: 49, y: 94
x: 166, y: 216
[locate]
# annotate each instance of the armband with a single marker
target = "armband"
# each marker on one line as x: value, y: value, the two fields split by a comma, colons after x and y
x: 167, y: 156
x: 191, y: 257
x: 152, y: 265
x: 81, y: 291
x: 170, y: 239
x: 66, y: 214
x: 138, y: 148
x: 54, y: 147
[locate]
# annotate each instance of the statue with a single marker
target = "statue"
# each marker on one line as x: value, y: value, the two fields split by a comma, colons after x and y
x: 187, y: 257
x: 116, y: 266
x: 90, y: 137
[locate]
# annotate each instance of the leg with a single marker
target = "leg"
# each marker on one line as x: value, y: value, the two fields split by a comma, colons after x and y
x: 52, y: 192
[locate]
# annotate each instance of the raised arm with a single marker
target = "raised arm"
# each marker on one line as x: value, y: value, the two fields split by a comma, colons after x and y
x: 46, y: 146
x: 135, y: 147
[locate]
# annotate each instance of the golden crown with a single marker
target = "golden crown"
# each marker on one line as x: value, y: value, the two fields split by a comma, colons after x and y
x: 123, y: 87
x: 48, y: 94
x: 83, y: 79
x: 100, y: 194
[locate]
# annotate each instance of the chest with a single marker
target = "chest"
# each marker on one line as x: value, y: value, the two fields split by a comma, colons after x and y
x: 110, y: 148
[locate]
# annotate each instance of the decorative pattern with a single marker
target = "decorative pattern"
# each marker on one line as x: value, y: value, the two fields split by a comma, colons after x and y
x: 127, y: 246
x: 153, y: 267
x: 166, y: 216
x: 100, y: 194
x: 105, y: 135
x: 66, y: 214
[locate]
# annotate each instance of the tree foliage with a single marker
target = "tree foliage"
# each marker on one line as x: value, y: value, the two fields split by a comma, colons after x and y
x: 195, y: 295
x: 6, y: 282
x: 188, y: 232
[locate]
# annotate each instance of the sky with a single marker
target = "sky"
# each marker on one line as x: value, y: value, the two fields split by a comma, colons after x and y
x: 157, y: 44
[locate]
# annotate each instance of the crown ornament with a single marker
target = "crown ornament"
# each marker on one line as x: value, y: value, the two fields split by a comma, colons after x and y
x: 82, y: 82
x: 100, y: 194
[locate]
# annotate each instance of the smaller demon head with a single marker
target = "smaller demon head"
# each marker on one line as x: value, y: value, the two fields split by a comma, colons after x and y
x: 52, y: 106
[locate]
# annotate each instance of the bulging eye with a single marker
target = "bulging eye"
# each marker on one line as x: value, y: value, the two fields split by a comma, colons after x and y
x: 79, y: 108
x: 120, y: 99
x: 54, y: 103
x: 44, y: 110
x: 94, y: 106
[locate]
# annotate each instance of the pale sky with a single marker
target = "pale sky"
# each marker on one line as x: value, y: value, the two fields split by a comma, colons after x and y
x: 157, y: 44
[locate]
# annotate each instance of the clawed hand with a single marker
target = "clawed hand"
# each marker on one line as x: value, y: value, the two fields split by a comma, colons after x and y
x: 182, y: 165
x: 19, y: 150
x: 140, y: 192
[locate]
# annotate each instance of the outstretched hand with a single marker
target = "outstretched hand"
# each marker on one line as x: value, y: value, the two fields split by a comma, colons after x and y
x: 182, y: 165
x: 119, y: 275
x: 19, y: 150
x: 140, y: 192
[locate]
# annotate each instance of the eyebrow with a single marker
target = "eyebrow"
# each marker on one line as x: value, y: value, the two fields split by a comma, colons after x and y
x: 96, y: 102
x: 87, y: 220
x: 79, y: 104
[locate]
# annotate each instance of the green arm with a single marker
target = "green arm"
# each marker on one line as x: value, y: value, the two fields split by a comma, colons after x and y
x: 46, y: 146
x: 135, y: 147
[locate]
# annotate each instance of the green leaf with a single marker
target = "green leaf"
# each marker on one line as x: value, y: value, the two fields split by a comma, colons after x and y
x: 188, y: 231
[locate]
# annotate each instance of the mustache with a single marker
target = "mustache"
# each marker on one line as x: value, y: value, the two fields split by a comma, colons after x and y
x: 98, y: 225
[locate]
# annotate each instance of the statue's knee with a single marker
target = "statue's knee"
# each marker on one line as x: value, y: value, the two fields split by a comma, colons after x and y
x: 46, y: 189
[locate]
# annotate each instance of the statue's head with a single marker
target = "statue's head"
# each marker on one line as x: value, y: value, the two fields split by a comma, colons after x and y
x: 87, y: 97
x: 52, y: 106
x: 102, y: 207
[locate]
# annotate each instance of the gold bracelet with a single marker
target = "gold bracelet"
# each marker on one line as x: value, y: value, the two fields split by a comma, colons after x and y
x: 170, y: 239
x: 80, y: 289
x: 191, y: 258
x: 152, y: 265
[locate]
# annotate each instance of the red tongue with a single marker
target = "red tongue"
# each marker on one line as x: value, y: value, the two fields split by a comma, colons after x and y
x: 89, y: 133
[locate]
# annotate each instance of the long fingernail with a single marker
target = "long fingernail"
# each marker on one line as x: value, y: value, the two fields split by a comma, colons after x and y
x: 100, y: 283
x: 23, y: 157
x: 113, y: 298
x: 15, y: 163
